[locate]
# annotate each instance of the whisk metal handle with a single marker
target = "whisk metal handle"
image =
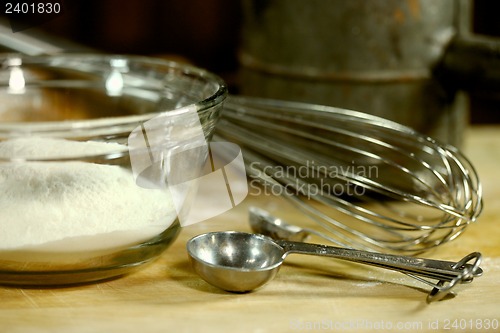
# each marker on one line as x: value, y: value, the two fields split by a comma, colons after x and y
x: 448, y: 273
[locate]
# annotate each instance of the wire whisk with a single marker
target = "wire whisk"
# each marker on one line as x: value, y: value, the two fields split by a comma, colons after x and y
x: 368, y: 183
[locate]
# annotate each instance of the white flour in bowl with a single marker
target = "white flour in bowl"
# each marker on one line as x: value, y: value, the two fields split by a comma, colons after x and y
x: 53, y: 204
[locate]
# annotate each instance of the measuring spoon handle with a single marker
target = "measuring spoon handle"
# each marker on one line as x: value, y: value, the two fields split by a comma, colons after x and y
x: 447, y: 270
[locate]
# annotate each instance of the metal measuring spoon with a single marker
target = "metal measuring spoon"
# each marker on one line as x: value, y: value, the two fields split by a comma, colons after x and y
x: 241, y: 262
x: 263, y: 223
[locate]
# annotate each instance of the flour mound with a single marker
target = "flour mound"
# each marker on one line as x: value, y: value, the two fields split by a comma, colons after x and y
x: 43, y: 202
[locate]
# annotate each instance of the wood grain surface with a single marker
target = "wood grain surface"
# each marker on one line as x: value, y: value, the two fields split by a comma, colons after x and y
x: 308, y: 294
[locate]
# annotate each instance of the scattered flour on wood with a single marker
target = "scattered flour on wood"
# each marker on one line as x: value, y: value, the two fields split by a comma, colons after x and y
x: 43, y: 202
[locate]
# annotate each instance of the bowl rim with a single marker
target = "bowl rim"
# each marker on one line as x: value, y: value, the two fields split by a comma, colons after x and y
x: 66, y: 125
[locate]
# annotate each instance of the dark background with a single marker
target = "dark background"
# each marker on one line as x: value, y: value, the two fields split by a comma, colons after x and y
x: 205, y: 33
x: 486, y: 21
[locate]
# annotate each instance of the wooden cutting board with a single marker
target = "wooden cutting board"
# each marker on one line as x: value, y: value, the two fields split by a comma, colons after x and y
x: 308, y: 294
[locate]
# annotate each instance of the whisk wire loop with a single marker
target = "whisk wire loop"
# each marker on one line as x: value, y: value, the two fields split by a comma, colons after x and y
x: 420, y: 194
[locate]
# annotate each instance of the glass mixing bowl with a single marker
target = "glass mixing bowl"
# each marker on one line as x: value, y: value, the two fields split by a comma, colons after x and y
x: 71, y: 207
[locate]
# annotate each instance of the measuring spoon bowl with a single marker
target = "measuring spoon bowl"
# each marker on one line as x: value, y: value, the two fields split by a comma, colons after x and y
x: 263, y: 223
x: 266, y: 224
x: 235, y: 261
